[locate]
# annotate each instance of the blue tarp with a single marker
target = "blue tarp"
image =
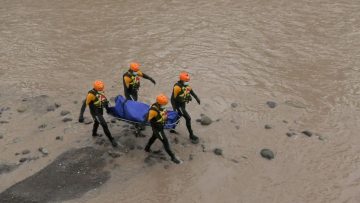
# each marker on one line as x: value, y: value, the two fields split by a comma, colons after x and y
x: 136, y: 112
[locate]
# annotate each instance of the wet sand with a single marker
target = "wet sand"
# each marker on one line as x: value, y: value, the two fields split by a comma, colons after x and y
x: 302, y: 55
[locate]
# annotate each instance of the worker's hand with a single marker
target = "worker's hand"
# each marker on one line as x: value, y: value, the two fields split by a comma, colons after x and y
x: 153, y: 81
x: 198, y: 100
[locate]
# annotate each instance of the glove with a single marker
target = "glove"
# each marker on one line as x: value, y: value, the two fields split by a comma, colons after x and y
x: 153, y: 81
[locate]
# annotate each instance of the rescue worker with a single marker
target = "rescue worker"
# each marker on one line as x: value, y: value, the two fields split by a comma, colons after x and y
x: 131, y: 81
x: 181, y: 95
x: 96, y: 101
x: 157, y: 117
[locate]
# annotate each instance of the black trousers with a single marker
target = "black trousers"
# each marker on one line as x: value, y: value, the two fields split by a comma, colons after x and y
x: 99, y: 120
x: 180, y: 108
x: 131, y: 94
x: 158, y: 133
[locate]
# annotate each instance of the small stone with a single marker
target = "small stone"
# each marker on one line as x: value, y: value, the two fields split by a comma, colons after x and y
x: 267, y: 153
x: 322, y: 138
x: 88, y: 121
x: 191, y: 157
x: 50, y: 108
x: 42, y: 126
x: 235, y: 161
x: 26, y: 151
x: 1, y: 136
x: 17, y: 153
x: 21, y: 109
x: 285, y: 121
x: 23, y: 159
x: 307, y: 133
x: 244, y: 157
x: 237, y: 127
x: 114, y: 154
x: 203, y: 148
x: 268, y: 126
x: 198, y: 120
x: 57, y: 105
x: 44, y: 151
x: 67, y: 119
x: 234, y: 105
x: 289, y: 134
x: 61, y: 138
x: 217, y: 120
x: 218, y: 151
x: 4, y: 122
x: 75, y: 102
x: 205, y: 120
x: 271, y: 104
x: 64, y: 113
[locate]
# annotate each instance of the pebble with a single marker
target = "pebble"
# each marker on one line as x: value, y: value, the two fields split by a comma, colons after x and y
x: 3, y: 122
x: 307, y: 133
x: 50, y: 108
x: 42, y: 126
x: 268, y: 126
x: 267, y: 153
x: 234, y: 105
x: 57, y: 105
x: 61, y: 138
x: 21, y: 109
x: 218, y: 151
x: 285, y: 121
x: 75, y: 102
x: 289, y: 134
x: 203, y: 148
x: 1, y: 136
x: 17, y: 153
x: 191, y: 157
x: 235, y: 161
x: 114, y: 154
x: 26, y: 151
x: 23, y: 159
x: 271, y: 104
x: 67, y: 119
x: 205, y: 120
x: 237, y: 127
x: 43, y: 150
x: 64, y: 113
x: 322, y: 138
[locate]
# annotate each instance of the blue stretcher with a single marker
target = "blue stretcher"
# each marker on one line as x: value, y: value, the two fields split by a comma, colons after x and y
x: 135, y: 112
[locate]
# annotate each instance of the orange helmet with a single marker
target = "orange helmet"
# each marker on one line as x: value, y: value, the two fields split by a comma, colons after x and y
x: 134, y: 67
x: 184, y: 76
x: 99, y: 85
x: 162, y: 99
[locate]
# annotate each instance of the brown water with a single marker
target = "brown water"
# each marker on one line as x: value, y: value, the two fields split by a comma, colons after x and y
x: 302, y: 54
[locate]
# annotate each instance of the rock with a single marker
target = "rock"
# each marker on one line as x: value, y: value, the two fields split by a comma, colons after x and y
x: 42, y: 126
x: 235, y: 161
x: 244, y: 157
x: 23, y: 159
x: 234, y: 105
x: 6, y: 168
x: 61, y: 138
x: 64, y: 113
x: 237, y: 127
x: 66, y: 119
x: 322, y: 138
x: 203, y: 148
x: 26, y: 151
x: 50, y: 108
x: 21, y: 109
x: 205, y: 120
x: 267, y: 153
x: 1, y: 136
x: 191, y: 157
x: 114, y: 154
x: 296, y: 104
x: 285, y: 121
x: 75, y: 102
x: 4, y: 122
x: 44, y: 151
x: 218, y: 151
x: 289, y: 134
x: 268, y: 126
x: 198, y: 120
x: 57, y: 105
x: 17, y: 153
x: 88, y: 121
x: 307, y: 133
x: 271, y: 104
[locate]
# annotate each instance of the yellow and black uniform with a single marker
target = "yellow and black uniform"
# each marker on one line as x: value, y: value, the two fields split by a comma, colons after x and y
x: 131, y: 82
x: 96, y: 102
x: 157, y: 117
x: 181, y: 95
